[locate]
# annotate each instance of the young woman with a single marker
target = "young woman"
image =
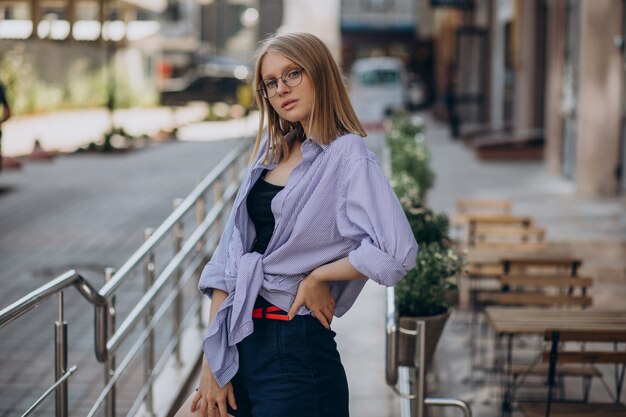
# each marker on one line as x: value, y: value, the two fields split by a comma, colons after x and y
x: 314, y: 218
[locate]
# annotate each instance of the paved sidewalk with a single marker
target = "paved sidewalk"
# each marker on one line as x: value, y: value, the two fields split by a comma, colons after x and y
x: 66, y: 131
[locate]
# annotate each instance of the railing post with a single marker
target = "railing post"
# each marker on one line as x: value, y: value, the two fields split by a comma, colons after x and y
x: 148, y: 362
x: 421, y: 368
x: 234, y: 173
x: 60, y: 360
x: 200, y: 214
x: 109, y: 366
x: 177, y: 235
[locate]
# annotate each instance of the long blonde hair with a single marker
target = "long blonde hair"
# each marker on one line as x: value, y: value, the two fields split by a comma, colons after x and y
x: 332, y: 114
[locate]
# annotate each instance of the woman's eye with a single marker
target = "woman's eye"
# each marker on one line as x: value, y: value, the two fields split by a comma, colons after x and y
x: 271, y: 84
x: 294, y: 74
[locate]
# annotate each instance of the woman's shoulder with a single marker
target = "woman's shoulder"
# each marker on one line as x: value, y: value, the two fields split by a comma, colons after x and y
x: 351, y: 147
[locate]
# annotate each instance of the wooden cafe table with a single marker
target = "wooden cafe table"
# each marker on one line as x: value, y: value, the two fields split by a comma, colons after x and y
x: 511, y: 321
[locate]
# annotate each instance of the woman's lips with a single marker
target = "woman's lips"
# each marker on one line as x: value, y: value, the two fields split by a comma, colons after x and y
x: 288, y: 104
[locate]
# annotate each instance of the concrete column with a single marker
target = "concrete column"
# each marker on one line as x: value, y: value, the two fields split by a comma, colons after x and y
x: 320, y: 17
x: 35, y: 17
x: 525, y: 72
x: 102, y: 7
x: 425, y: 19
x: 501, y: 14
x: 70, y: 13
x: 492, y: 24
x: 599, y: 108
x: 126, y: 15
x: 557, y: 18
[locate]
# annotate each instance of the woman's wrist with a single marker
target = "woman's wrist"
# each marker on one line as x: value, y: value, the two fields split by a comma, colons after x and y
x: 317, y: 275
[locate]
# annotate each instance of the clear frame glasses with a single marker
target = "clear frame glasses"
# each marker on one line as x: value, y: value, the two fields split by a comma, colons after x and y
x: 292, y: 78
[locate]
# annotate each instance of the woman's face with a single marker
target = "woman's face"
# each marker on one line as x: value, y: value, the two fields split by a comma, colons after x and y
x: 291, y: 103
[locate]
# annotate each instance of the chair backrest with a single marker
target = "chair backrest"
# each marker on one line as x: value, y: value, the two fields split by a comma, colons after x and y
x: 542, y: 266
x: 470, y: 205
x: 500, y: 228
x: 610, y: 337
x: 545, y: 290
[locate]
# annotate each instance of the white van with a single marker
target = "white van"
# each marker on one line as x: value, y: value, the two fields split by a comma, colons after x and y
x: 377, y: 87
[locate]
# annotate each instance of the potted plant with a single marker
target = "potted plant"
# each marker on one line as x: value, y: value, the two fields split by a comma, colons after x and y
x: 424, y: 292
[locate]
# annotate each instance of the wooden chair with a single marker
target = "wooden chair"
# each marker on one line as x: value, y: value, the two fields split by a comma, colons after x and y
x: 538, y: 281
x: 477, y: 206
x: 549, y: 282
x: 516, y: 237
x: 545, y: 291
x: 486, y: 227
x: 474, y: 206
x: 542, y: 266
x: 558, y: 356
x: 543, y: 282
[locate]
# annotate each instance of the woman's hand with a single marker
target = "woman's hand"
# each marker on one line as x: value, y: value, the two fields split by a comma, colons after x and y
x: 315, y: 294
x: 210, y: 398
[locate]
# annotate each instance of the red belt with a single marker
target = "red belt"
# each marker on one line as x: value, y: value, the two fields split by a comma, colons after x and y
x: 266, y: 313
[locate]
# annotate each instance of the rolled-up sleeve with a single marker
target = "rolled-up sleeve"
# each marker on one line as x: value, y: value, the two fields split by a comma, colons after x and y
x: 372, y: 215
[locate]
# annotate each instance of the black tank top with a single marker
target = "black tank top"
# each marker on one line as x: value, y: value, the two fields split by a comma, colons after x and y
x: 259, y: 204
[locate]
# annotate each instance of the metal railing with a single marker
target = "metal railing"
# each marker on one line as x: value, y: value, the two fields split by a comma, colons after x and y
x: 188, y: 257
x: 415, y: 400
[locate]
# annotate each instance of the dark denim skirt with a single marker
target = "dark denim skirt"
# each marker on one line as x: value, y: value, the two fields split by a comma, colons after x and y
x: 290, y: 369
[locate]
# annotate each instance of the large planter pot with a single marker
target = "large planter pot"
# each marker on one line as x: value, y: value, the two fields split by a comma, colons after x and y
x: 434, y: 328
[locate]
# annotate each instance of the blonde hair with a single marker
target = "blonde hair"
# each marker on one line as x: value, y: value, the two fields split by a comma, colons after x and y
x: 332, y: 114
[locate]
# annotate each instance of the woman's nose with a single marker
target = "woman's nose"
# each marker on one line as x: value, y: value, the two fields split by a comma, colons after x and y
x: 282, y: 87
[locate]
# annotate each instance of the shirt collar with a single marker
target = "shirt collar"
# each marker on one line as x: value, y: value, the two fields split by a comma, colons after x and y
x: 290, y: 137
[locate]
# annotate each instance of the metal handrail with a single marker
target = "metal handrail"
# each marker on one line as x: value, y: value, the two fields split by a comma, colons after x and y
x: 165, y: 227
x: 107, y: 338
x: 125, y: 271
x: 417, y: 398
x: 137, y: 313
x: 49, y: 391
x: 34, y: 298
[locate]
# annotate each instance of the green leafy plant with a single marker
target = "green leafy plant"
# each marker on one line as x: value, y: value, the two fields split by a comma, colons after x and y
x: 427, y: 226
x: 410, y: 159
x: 422, y: 292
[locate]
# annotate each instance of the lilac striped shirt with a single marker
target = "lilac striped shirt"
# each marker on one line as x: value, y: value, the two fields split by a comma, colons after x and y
x: 337, y: 202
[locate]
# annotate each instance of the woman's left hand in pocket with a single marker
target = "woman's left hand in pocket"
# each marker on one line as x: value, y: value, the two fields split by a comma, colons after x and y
x: 315, y: 295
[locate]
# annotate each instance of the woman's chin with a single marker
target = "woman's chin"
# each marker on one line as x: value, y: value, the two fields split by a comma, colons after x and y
x: 291, y: 118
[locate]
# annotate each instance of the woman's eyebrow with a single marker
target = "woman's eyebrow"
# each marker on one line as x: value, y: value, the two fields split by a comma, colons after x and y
x: 285, y: 69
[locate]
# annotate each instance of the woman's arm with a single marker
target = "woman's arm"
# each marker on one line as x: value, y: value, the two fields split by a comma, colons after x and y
x: 314, y: 291
x: 340, y: 270
x: 209, y: 394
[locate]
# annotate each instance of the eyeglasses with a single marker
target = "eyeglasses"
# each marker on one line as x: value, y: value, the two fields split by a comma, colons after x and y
x: 291, y: 78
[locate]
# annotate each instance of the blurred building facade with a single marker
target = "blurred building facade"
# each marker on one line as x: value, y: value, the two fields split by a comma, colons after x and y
x: 106, y: 49
x: 151, y: 44
x: 555, y: 65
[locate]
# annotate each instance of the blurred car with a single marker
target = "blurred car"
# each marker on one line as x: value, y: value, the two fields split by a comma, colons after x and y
x: 213, y: 79
x: 378, y: 86
x: 417, y: 94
